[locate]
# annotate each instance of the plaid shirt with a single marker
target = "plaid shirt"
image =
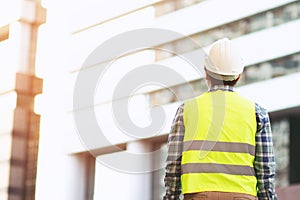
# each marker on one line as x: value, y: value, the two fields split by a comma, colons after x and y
x: 264, y: 163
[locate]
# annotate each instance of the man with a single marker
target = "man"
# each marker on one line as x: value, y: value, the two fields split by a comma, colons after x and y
x: 220, y: 145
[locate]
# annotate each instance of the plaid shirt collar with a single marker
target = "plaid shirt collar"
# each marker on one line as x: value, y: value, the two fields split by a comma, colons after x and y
x: 221, y: 87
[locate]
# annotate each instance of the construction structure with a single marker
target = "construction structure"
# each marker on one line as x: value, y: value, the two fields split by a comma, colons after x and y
x: 19, y: 135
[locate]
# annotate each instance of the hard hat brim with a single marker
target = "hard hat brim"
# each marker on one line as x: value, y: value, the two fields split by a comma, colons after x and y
x: 222, y: 77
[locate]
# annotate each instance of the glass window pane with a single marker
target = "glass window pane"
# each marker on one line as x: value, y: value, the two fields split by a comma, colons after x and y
x: 281, y: 134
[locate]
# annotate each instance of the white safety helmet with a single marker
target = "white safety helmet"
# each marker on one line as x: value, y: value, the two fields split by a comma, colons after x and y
x: 223, y: 61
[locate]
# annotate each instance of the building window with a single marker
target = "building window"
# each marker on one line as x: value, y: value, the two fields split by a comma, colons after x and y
x: 168, y: 6
x: 178, y: 92
x: 281, y: 135
x: 235, y: 29
x: 271, y: 69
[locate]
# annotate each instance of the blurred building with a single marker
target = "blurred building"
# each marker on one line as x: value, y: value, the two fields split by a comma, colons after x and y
x: 19, y: 132
x: 267, y: 32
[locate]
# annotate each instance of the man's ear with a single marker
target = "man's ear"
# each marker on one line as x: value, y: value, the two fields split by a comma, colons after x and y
x: 206, y: 75
x: 207, y: 79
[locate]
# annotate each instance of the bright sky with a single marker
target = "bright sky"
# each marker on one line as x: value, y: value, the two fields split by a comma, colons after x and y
x: 8, y: 11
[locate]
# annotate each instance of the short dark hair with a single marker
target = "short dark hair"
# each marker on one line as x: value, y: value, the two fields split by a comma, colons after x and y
x: 221, y: 82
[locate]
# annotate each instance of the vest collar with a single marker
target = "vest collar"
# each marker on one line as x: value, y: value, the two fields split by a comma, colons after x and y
x: 221, y: 87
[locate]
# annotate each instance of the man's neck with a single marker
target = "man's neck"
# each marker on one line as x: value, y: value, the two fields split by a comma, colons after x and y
x: 221, y: 87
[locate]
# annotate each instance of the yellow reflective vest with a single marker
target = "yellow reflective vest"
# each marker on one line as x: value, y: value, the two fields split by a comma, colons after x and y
x: 219, y: 144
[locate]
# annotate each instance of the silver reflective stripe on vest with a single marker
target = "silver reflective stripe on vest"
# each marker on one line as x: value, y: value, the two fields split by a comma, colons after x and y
x: 217, y: 168
x: 234, y: 147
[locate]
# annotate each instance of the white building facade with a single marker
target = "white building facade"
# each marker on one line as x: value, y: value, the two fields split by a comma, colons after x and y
x: 99, y: 130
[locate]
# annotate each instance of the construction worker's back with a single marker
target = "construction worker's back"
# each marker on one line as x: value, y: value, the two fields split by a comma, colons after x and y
x: 219, y: 144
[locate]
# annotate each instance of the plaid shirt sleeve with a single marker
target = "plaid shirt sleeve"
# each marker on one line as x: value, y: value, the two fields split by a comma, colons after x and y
x: 264, y: 163
x: 173, y: 167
